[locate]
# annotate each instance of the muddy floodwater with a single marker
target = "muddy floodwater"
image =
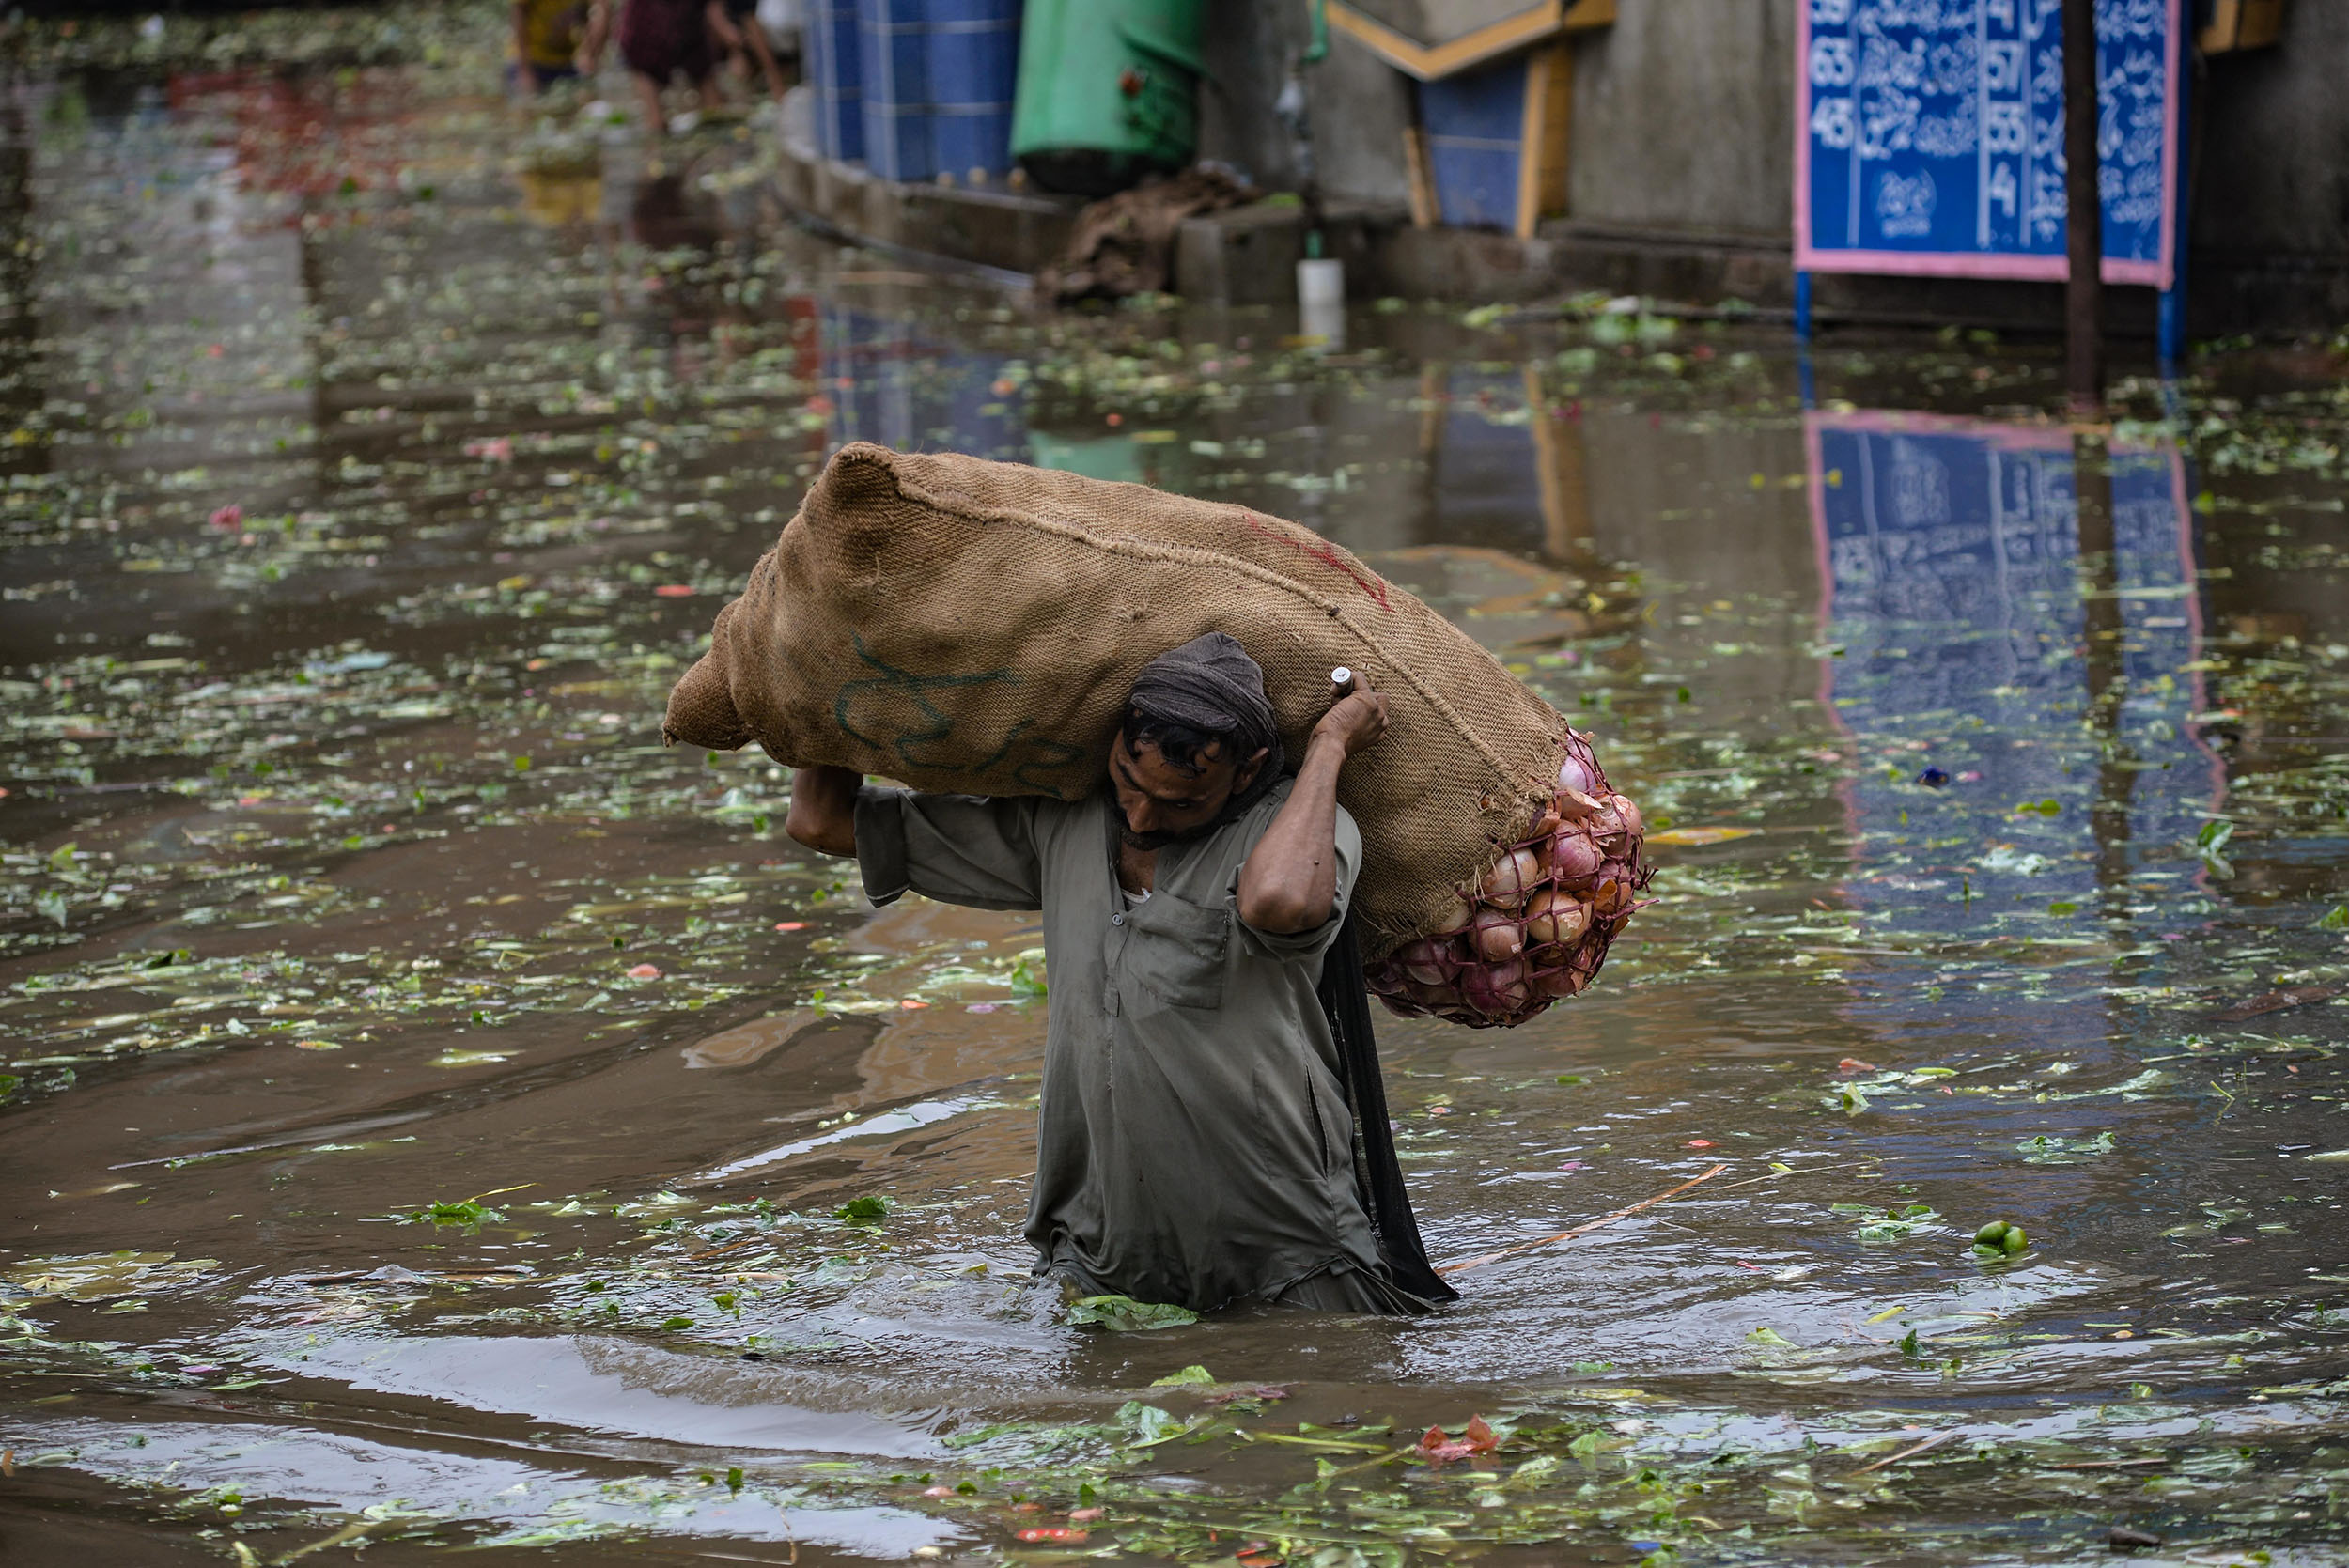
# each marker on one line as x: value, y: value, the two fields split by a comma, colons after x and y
x: 439, y: 1118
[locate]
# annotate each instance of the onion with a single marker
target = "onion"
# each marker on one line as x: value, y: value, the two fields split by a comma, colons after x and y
x: 1574, y: 860
x: 1610, y: 893
x: 1535, y: 927
x: 1455, y: 917
x: 1497, y: 935
x: 1559, y: 982
x: 1575, y: 806
x: 1514, y: 876
x: 1431, y: 960
x: 1436, y: 999
x: 1554, y: 919
x: 1497, y: 990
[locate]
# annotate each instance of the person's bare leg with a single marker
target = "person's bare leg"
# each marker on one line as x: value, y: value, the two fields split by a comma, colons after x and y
x: 726, y: 44
x: 768, y: 67
x: 648, y: 94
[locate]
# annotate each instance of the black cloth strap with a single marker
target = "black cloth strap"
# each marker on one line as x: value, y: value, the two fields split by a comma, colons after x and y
x: 1376, y: 1174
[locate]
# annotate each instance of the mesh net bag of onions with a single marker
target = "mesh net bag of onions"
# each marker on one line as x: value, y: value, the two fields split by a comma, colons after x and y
x: 1536, y: 928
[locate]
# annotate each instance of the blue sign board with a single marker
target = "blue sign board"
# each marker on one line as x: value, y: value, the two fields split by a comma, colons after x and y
x: 1929, y: 137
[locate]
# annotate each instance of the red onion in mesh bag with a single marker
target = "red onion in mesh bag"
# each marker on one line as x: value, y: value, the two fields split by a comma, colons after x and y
x: 1430, y: 960
x: 1559, y: 981
x: 1398, y: 998
x: 1554, y: 919
x: 1497, y: 990
x: 1497, y: 935
x: 1455, y: 917
x: 1536, y: 927
x: 1443, y: 1001
x: 1512, y: 880
x: 1611, y: 892
x: 1575, y: 806
x: 1574, y: 860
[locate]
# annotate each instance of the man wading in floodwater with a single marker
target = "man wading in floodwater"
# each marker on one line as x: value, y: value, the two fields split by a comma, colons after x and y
x: 1212, y: 1126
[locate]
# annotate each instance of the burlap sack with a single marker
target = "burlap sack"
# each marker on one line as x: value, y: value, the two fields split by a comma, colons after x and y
x: 974, y: 627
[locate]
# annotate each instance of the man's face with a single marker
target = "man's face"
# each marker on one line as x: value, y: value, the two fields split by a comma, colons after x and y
x: 1163, y: 803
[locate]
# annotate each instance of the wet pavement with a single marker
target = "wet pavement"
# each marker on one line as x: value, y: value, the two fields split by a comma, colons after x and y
x: 437, y: 1116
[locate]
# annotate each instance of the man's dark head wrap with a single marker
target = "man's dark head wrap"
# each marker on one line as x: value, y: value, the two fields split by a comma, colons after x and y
x: 1210, y: 685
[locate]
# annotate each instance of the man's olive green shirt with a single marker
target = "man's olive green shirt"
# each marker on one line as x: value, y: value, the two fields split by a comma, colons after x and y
x: 1195, y: 1142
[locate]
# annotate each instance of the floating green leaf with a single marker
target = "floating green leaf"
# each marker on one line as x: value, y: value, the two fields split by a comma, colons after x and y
x: 867, y: 1210
x: 1126, y: 1315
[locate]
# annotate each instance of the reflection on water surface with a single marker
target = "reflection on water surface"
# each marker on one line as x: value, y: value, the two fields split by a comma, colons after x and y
x: 434, y: 1108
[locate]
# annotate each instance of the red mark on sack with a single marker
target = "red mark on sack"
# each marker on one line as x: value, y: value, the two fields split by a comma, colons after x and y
x: 1327, y: 556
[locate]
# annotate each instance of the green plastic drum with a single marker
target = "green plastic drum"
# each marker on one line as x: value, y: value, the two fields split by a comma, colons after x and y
x: 1108, y: 91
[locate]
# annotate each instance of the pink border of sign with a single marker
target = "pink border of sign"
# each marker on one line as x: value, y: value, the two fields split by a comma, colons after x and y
x: 1968, y: 264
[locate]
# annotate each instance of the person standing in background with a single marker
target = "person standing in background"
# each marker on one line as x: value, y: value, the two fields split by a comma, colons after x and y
x: 749, y: 39
x: 547, y: 39
x: 660, y: 39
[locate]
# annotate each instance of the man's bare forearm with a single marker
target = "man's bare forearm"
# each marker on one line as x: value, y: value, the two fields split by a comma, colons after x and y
x: 823, y: 809
x: 1290, y: 881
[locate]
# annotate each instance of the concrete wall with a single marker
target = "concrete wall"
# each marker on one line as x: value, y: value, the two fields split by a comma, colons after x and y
x: 1674, y: 125
x: 2275, y: 141
x: 1683, y: 117
x: 1358, y: 104
x: 1684, y: 137
x: 2271, y: 216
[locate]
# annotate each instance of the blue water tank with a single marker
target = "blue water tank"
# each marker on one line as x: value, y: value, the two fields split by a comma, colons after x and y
x: 937, y: 79
x: 835, y: 72
x: 974, y: 70
x: 894, y: 40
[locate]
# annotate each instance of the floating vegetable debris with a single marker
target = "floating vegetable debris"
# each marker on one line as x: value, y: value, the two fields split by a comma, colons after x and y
x: 330, y: 666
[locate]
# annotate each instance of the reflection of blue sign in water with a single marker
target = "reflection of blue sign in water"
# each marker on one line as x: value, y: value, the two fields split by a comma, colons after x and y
x: 1959, y: 595
x: 1929, y: 137
x: 889, y: 383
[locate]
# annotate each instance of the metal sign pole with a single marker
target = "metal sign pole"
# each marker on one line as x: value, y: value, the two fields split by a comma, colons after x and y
x: 2170, y: 329
x: 2084, y: 227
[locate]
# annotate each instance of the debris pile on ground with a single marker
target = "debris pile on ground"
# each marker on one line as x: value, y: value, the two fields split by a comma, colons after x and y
x: 1125, y: 244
